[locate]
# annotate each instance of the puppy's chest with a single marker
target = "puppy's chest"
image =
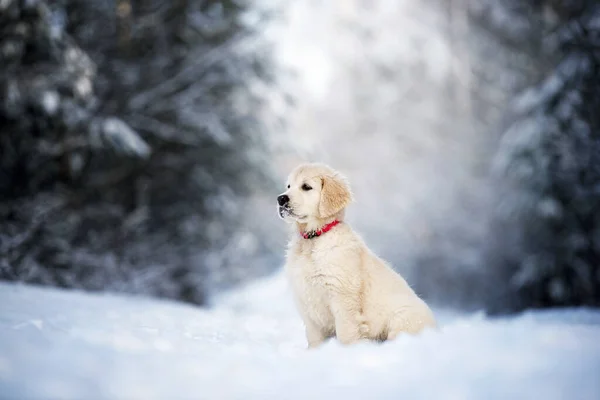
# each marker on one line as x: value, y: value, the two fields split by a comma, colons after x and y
x: 312, y: 281
x: 311, y: 266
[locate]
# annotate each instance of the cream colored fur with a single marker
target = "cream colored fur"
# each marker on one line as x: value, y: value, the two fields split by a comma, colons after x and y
x: 341, y: 288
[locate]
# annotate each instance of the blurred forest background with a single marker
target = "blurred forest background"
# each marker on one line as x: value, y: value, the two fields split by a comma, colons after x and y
x: 142, y: 143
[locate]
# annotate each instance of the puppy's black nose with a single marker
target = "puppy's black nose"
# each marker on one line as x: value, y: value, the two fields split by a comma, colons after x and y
x: 283, y: 199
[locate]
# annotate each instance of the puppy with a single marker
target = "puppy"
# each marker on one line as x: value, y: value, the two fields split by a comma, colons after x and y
x: 340, y: 287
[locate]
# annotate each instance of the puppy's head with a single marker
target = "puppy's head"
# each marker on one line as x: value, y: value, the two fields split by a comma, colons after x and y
x: 314, y: 192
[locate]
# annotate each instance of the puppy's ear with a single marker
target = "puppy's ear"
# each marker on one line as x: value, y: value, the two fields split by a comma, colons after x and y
x: 335, y: 195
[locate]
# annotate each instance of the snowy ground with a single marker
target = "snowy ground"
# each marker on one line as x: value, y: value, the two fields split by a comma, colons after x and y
x: 67, y: 345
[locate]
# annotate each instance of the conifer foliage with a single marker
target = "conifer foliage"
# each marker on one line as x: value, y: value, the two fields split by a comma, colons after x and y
x: 128, y: 140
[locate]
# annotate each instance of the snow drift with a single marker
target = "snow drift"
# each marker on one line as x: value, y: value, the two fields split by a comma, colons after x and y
x: 250, y: 344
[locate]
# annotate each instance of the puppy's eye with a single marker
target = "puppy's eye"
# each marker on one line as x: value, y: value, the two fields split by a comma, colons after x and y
x: 288, y: 186
x: 306, y: 188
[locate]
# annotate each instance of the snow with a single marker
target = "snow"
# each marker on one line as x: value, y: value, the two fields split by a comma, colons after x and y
x: 116, y: 134
x: 249, y: 344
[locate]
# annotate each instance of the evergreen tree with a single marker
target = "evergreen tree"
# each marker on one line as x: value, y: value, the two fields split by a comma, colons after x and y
x: 547, y: 238
x: 129, y: 141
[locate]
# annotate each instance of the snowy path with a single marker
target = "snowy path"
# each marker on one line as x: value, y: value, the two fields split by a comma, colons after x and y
x: 57, y: 344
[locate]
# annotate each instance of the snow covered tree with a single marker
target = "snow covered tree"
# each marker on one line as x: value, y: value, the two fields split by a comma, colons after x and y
x: 546, y: 244
x: 129, y: 142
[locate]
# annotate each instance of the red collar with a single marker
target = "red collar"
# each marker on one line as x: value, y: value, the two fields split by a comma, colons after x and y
x: 319, y: 232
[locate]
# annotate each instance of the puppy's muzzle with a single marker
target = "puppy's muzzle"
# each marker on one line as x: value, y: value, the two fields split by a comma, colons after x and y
x: 283, y: 200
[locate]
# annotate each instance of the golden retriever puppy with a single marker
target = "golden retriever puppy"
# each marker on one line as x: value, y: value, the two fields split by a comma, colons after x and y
x: 340, y: 287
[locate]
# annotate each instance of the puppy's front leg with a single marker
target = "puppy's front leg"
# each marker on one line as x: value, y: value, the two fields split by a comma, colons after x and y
x: 314, y: 335
x: 346, y: 312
